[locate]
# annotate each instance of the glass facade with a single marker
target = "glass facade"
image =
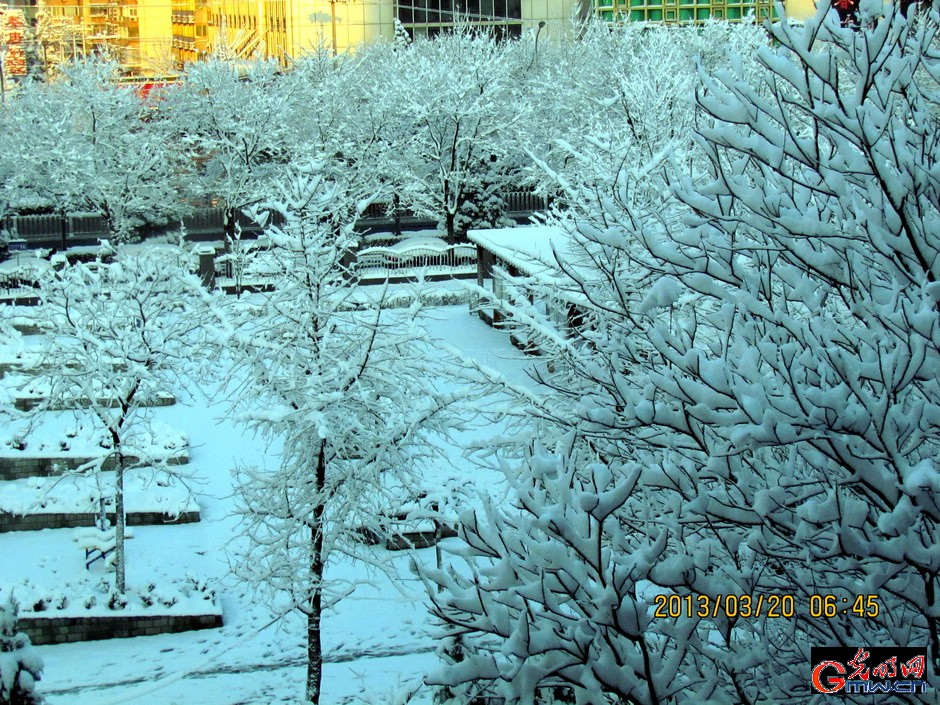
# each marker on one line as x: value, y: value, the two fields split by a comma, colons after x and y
x: 430, y: 17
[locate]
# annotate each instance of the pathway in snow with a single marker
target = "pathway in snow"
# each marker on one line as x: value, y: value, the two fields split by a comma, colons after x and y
x: 341, y: 657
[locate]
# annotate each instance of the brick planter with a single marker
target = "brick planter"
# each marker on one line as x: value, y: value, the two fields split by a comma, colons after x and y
x: 16, y: 467
x: 416, y: 539
x: 11, y: 366
x: 61, y: 520
x: 59, y: 630
x: 27, y: 403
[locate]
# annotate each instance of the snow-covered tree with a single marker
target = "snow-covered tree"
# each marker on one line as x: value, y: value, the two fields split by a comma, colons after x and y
x: 456, y: 95
x: 20, y: 665
x: 236, y: 120
x: 402, y: 38
x: 747, y: 405
x: 32, y: 129
x: 357, y: 122
x: 343, y: 388
x: 119, y: 333
x: 56, y: 37
x: 96, y: 146
x: 640, y: 78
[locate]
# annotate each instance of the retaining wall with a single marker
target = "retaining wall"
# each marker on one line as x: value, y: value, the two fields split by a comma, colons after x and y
x: 59, y: 630
x: 28, y: 403
x: 64, y: 520
x: 17, y: 467
x: 19, y: 300
x: 398, y: 540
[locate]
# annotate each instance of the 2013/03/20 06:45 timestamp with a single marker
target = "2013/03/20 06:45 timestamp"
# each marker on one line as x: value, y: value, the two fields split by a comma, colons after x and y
x: 771, y: 606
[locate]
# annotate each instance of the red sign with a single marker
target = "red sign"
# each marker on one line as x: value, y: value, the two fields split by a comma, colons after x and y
x: 14, y: 60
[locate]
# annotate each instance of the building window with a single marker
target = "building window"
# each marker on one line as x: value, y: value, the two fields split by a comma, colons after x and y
x: 503, y: 14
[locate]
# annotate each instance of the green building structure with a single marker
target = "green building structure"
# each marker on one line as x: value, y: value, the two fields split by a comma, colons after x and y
x: 695, y: 11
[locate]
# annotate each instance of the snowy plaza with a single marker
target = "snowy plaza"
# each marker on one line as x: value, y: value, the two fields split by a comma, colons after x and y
x: 479, y: 366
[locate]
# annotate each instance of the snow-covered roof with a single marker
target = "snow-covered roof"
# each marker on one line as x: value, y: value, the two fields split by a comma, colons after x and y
x: 529, y: 248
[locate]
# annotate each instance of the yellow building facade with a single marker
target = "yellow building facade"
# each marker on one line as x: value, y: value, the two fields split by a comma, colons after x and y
x: 282, y: 29
x: 138, y: 33
x: 157, y: 37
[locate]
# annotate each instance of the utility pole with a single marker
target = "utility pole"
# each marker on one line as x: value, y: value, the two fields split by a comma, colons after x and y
x: 333, y: 23
x: 4, y: 43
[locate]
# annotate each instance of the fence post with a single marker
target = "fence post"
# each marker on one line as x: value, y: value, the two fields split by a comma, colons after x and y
x: 206, y: 254
x: 64, y: 228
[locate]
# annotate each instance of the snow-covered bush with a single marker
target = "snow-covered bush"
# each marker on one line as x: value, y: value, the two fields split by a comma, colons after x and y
x: 20, y: 665
x: 482, y: 204
x: 750, y: 407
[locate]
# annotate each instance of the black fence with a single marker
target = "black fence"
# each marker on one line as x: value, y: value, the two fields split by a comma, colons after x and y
x: 56, y: 230
x: 207, y: 223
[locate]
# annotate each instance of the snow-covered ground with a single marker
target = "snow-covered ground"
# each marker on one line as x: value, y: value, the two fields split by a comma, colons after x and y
x: 375, y: 643
x: 64, y: 434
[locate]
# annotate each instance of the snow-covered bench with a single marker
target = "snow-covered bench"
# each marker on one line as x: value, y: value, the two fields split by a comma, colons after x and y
x: 414, y: 524
x: 99, y: 544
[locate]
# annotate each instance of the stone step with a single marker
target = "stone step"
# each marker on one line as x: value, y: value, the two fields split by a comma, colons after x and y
x: 16, y: 467
x: 26, y: 403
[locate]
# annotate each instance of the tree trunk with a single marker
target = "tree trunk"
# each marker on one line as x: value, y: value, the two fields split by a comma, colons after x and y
x: 438, y: 557
x: 449, y: 215
x: 228, y: 226
x: 119, y: 520
x: 64, y: 228
x: 449, y: 222
x: 396, y: 213
x: 314, y: 636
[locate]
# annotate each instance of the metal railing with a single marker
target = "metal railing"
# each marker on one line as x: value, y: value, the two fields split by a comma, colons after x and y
x: 421, y: 256
x: 54, y: 229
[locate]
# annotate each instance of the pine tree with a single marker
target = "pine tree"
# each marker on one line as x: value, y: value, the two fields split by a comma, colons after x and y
x: 402, y: 38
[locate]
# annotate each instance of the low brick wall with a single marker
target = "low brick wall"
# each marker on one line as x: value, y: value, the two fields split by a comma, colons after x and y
x: 417, y: 539
x: 27, y: 403
x: 10, y: 366
x: 59, y: 630
x: 35, y: 522
x: 17, y: 467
